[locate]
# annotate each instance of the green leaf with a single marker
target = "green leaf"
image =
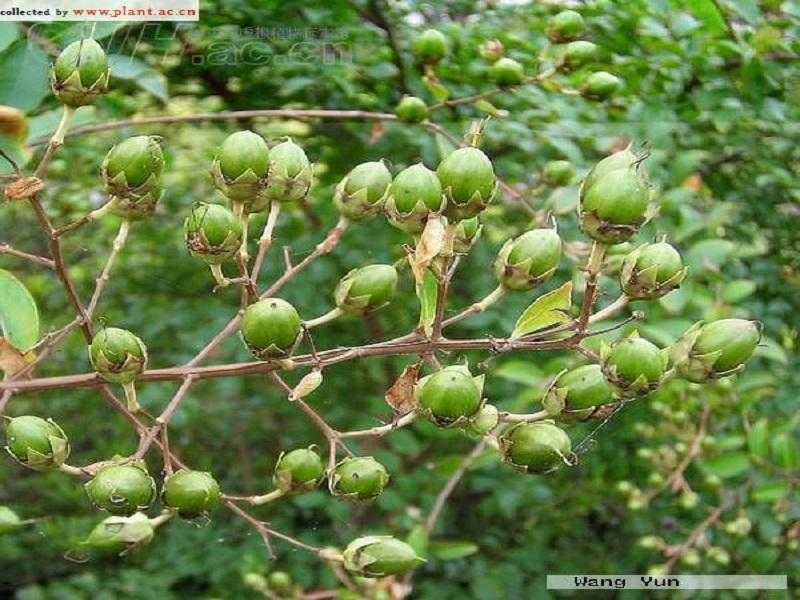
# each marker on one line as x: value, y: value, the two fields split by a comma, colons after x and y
x: 24, y: 75
x: 738, y: 290
x: 453, y: 550
x: 418, y: 540
x: 709, y: 254
x: 132, y: 69
x: 19, y: 317
x: 16, y: 150
x: 8, y: 33
x: 491, y: 109
x: 785, y: 451
x: 427, y: 292
x: 758, y: 438
x: 440, y: 92
x: 728, y: 465
x: 707, y: 11
x: 547, y: 310
x: 770, y: 492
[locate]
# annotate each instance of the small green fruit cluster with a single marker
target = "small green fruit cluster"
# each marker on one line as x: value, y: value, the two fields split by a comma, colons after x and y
x: 132, y: 173
x: 80, y: 73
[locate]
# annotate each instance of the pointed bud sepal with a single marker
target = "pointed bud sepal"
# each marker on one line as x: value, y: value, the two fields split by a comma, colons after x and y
x: 467, y: 233
x: 270, y: 328
x: 363, y: 190
x: 298, y: 471
x: 576, y: 393
x: 714, y: 350
x: 651, y: 271
x: 117, y: 355
x: 80, y: 73
x: 528, y: 260
x: 212, y: 233
x: 538, y: 448
x: 450, y: 397
x: 241, y: 169
x: 192, y: 494
x: 633, y: 365
x: 468, y: 181
x: 291, y: 173
x: 37, y: 443
x: 358, y: 479
x: 415, y: 193
x: 135, y: 207
x: 380, y: 556
x: 122, y: 489
x: 366, y: 289
x: 120, y: 535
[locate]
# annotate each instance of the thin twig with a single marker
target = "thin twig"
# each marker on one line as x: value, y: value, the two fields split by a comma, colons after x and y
x: 39, y: 260
x: 119, y: 243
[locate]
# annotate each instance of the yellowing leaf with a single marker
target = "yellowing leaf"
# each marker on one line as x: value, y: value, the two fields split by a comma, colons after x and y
x: 547, y: 310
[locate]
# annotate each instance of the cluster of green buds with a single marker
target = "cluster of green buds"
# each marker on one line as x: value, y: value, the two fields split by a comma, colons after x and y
x: 430, y: 46
x: 192, y: 494
x: 713, y: 350
x: 120, y: 535
x: 241, y: 170
x: 362, y: 192
x: 291, y: 173
x: 80, y: 73
x: 633, y: 365
x: 379, y: 556
x: 366, y: 289
x: 451, y: 397
x: 122, y: 489
x: 132, y: 174
x: 506, y: 72
x: 411, y: 110
x: 614, y: 198
x: 298, y: 471
x: 414, y: 194
x: 212, y: 233
x: 117, y: 355
x: 358, y: 478
x: 651, y: 271
x: 468, y: 182
x: 540, y: 447
x: 270, y: 328
x: 39, y: 444
x: 576, y: 393
x: 528, y: 260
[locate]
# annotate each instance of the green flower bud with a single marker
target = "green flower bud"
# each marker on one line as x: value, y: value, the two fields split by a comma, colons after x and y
x: 506, y: 72
x: 566, y: 26
x: 363, y: 190
x: 467, y: 233
x: 192, y: 494
x: 578, y: 391
x: 557, y: 173
x: 529, y: 260
x: 280, y: 580
x: 366, y: 289
x: 601, y: 85
x: 80, y: 73
x: 411, y: 110
x: 298, y: 471
x: 291, y: 174
x: 39, y: 444
x: 633, y: 365
x: 430, y: 46
x: 468, y: 181
x: 134, y: 166
x: 614, y: 201
x: 379, y: 556
x: 484, y: 421
x: 270, y: 328
x: 10, y: 521
x: 450, y: 397
x: 651, y: 271
x: 122, y: 489
x: 212, y: 233
x: 117, y: 355
x: 241, y: 169
x: 358, y: 478
x: 540, y: 447
x: 491, y: 50
x: 717, y: 349
x: 579, y: 53
x: 120, y: 535
x: 413, y: 195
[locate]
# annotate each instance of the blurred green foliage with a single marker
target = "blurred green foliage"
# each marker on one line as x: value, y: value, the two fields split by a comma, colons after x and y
x: 713, y: 87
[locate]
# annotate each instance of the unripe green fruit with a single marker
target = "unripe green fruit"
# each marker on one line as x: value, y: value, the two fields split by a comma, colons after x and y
x: 617, y: 160
x: 564, y: 27
x: 601, y: 85
x: 469, y: 183
x: 633, y: 365
x: 484, y: 421
x: 121, y: 489
x: 80, y: 73
x: 212, y: 233
x: 529, y: 260
x: 117, y: 355
x: 270, y: 328
x: 651, y: 271
x: 358, y: 478
x: 736, y: 339
x: 582, y: 387
x: 298, y: 471
x: 412, y: 196
x: 241, y: 152
x: 506, y: 72
x: 192, y: 493
x: 449, y: 395
x: 138, y: 159
x: 120, y: 534
x: 579, y: 53
x: 363, y: 190
x: 411, y: 110
x: 379, y: 556
x: 430, y: 46
x: 539, y: 447
x: 291, y: 174
x: 39, y: 444
x: 491, y: 50
x: 280, y: 580
x: 467, y: 233
x: 557, y: 173
x: 366, y: 289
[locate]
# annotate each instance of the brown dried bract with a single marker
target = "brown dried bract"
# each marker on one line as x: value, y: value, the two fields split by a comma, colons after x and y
x: 23, y: 188
x: 401, y: 395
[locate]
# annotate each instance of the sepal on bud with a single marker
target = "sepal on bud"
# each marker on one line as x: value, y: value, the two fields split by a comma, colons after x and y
x: 117, y: 355
x: 450, y: 397
x: 358, y: 478
x: 298, y: 471
x: 714, y: 350
x: 39, y: 444
x: 80, y: 73
x: 379, y: 556
x: 633, y: 365
x: 193, y: 494
x: 270, y: 328
x: 122, y: 489
x: 539, y: 448
x: 529, y: 260
x: 212, y: 233
x: 468, y: 182
x: 366, y: 289
x: 362, y: 192
x: 414, y: 194
x: 467, y: 234
x: 651, y: 271
x: 133, y: 168
x: 291, y: 173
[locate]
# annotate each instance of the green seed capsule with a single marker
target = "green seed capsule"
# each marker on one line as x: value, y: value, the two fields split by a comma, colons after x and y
x: 633, y: 365
x: 469, y: 183
x: 366, y: 289
x: 298, y: 471
x: 431, y: 46
x: 270, y: 327
x: 134, y: 166
x: 411, y: 110
x: 714, y: 350
x: 539, y: 448
x: 412, y: 196
x: 506, y: 72
x: 39, y: 444
x: 358, y: 478
x: 651, y: 271
x: 557, y: 173
x: 362, y: 192
x: 529, y: 260
x: 80, y: 73
x: 117, y: 355
x: 580, y: 388
x: 566, y: 26
x: 601, y: 85
x: 122, y: 489
x: 120, y: 535
x: 212, y: 233
x: 379, y: 556
x: 241, y: 152
x: 192, y: 494
x: 449, y: 397
x: 291, y: 174
x: 579, y: 53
